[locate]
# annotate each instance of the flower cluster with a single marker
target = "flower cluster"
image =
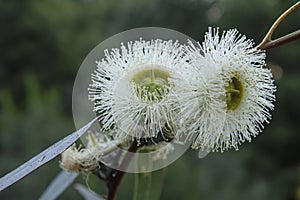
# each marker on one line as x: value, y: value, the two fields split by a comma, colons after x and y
x: 218, y: 93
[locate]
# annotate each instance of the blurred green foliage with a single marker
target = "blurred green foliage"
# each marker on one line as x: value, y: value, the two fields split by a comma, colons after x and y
x: 42, y: 44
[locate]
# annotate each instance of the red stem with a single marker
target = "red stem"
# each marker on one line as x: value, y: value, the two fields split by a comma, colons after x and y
x: 280, y: 41
x: 114, y: 183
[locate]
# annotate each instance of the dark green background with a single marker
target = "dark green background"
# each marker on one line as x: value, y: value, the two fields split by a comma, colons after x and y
x: 42, y: 44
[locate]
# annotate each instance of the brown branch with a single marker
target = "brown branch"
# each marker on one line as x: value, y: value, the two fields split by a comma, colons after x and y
x: 114, y: 183
x: 280, y: 41
x: 268, y: 43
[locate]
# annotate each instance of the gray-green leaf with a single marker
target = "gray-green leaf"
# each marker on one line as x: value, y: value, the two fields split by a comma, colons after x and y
x: 43, y: 157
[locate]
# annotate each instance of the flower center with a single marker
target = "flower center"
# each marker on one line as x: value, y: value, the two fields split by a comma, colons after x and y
x: 234, y: 93
x: 152, y: 84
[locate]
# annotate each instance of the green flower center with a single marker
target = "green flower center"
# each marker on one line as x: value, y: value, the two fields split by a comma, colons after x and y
x: 234, y: 93
x: 152, y: 84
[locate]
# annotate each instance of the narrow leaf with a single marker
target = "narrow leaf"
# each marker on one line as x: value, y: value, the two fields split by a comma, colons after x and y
x: 148, y: 186
x: 59, y: 184
x: 43, y: 157
x: 86, y: 193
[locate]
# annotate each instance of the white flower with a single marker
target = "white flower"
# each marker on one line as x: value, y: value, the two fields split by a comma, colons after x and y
x: 133, y: 88
x: 232, y: 91
x: 87, y: 159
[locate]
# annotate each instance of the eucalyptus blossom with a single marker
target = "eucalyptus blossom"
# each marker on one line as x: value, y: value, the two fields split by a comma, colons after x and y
x: 134, y: 89
x: 232, y: 91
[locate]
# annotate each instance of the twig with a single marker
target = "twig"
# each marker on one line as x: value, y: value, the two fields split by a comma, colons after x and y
x: 114, y: 183
x: 280, y: 41
x: 268, y: 43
